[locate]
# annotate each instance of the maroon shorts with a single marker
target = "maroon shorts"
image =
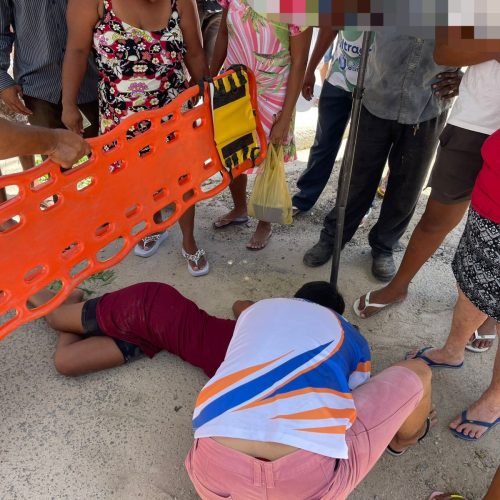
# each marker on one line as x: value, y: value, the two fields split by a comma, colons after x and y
x: 156, y: 317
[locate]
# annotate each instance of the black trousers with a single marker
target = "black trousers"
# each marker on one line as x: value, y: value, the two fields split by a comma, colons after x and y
x: 409, y: 149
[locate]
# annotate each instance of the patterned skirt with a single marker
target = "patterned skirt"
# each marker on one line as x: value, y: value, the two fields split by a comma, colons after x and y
x: 477, y: 264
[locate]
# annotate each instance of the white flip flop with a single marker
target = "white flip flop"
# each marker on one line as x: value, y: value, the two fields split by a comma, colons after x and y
x: 195, y: 258
x: 358, y: 312
x: 478, y: 336
x: 158, y: 239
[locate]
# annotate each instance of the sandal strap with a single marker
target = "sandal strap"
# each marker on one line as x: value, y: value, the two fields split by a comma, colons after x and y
x: 151, y: 238
x: 194, y: 257
x: 478, y: 336
x: 369, y: 304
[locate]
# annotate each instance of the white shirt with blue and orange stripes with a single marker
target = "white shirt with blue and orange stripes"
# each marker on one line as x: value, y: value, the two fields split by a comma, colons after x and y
x: 287, y: 378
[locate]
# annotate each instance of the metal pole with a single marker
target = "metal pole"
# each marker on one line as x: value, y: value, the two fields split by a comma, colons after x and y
x: 347, y: 162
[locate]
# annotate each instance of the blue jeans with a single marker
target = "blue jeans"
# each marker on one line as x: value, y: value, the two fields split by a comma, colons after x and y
x: 334, y: 111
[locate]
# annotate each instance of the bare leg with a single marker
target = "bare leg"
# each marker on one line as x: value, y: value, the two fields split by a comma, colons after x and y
x: 186, y: 223
x: 494, y: 490
x: 238, y: 190
x: 414, y: 426
x: 76, y: 356
x: 486, y: 408
x: 436, y: 222
x: 466, y: 318
x: 68, y: 316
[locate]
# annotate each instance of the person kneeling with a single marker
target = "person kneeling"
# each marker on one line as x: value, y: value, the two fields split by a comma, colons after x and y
x: 291, y: 413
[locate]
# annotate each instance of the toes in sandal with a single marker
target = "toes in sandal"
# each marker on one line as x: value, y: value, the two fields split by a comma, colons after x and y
x: 156, y: 239
x: 478, y: 337
x: 195, y: 258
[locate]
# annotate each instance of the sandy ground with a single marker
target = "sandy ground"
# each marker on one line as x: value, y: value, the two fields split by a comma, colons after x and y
x: 123, y: 434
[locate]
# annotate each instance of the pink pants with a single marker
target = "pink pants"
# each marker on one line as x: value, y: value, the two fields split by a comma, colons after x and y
x: 382, y: 405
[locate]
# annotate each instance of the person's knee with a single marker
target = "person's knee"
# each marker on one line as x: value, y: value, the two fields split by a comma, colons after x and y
x: 64, y: 364
x: 439, y: 218
x: 421, y: 369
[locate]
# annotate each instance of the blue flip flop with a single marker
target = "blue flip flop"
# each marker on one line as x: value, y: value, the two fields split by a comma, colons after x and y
x: 432, y: 364
x: 465, y: 420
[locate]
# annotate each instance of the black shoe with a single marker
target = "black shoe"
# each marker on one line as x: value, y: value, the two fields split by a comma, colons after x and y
x: 383, y: 267
x: 318, y: 255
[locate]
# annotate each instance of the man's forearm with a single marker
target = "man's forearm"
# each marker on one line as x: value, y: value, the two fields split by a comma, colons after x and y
x: 18, y: 140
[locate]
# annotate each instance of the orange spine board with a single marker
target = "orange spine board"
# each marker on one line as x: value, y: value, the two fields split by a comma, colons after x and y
x: 107, y: 203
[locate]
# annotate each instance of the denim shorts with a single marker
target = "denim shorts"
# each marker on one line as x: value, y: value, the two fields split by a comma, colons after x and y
x: 91, y: 328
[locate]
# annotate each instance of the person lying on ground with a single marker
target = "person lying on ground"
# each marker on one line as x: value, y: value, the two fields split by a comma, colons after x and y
x: 291, y: 413
x: 144, y: 318
x: 60, y: 145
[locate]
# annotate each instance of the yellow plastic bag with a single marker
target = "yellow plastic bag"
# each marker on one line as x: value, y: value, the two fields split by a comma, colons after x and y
x: 270, y: 200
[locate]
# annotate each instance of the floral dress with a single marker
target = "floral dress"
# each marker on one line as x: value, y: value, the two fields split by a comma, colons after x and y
x: 138, y: 69
x: 264, y: 47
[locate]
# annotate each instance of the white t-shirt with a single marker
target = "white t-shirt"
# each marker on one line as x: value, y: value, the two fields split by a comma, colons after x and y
x: 477, y: 106
x: 287, y: 378
x: 346, y: 57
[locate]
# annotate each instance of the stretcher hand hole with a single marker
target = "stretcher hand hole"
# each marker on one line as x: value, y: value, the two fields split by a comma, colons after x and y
x: 117, y: 166
x: 41, y: 182
x: 167, y: 118
x: 103, y: 229
x: 44, y: 295
x: 35, y: 274
x: 71, y: 250
x: 161, y: 193
x: 10, y: 224
x: 132, y: 211
x: 139, y: 227
x: 50, y: 202
x: 212, y: 183
x: 85, y: 183
x: 12, y: 195
x: 188, y: 195
x: 8, y: 316
x: 79, y: 268
x: 165, y: 213
x: 171, y: 137
x: 111, y: 250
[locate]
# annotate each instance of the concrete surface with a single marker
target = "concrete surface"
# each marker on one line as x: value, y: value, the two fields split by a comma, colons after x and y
x: 124, y: 433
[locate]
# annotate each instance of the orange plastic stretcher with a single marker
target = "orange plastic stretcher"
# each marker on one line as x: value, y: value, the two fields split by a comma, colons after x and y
x: 73, y: 223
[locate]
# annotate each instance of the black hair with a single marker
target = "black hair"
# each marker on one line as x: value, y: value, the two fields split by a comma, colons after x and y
x: 322, y: 293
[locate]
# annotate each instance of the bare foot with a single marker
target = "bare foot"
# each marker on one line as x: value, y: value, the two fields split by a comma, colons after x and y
x: 438, y: 356
x: 386, y: 295
x: 396, y: 446
x: 260, y: 238
x: 232, y: 217
x: 486, y: 409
